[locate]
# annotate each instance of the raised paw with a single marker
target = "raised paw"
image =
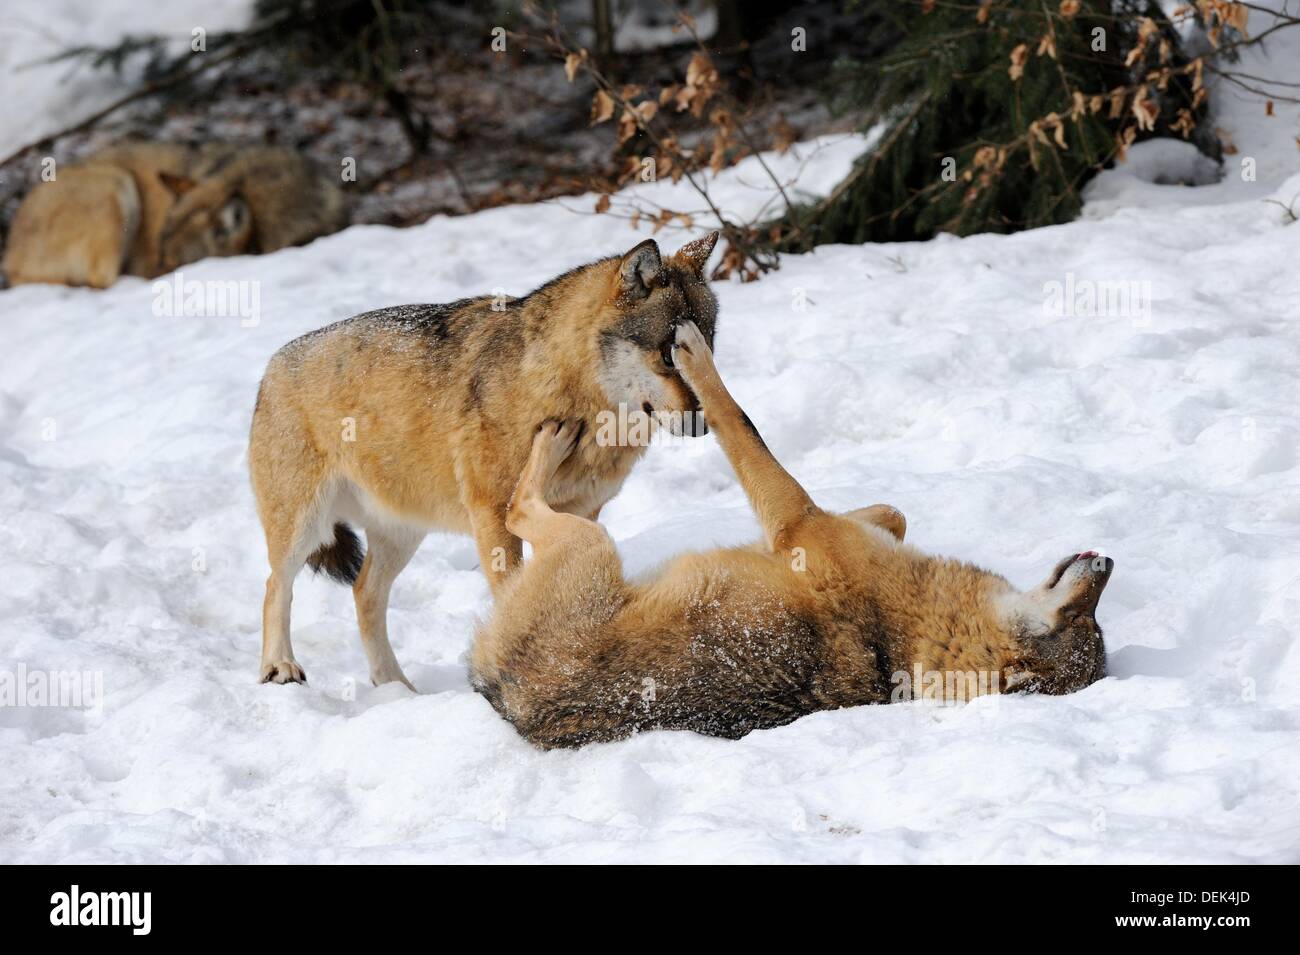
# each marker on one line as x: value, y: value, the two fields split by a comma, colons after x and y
x: 693, y: 357
x: 283, y: 671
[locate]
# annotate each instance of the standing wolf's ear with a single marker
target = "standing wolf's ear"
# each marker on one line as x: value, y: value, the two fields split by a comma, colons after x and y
x: 638, y: 270
x: 695, y: 255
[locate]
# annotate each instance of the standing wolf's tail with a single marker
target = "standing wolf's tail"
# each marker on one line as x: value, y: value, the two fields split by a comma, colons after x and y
x: 342, y: 559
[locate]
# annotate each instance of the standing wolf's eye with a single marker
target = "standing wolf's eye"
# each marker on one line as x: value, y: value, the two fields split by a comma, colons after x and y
x: 666, y: 353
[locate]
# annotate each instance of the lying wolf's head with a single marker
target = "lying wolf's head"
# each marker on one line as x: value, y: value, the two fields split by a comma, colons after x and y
x: 207, y: 219
x: 1055, y: 625
x: 1051, y: 630
x: 651, y: 297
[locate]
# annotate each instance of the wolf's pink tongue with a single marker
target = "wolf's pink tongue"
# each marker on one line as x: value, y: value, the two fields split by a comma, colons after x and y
x: 1086, y: 553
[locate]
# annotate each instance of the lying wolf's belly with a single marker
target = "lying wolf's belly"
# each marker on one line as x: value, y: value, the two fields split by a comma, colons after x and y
x: 719, y: 647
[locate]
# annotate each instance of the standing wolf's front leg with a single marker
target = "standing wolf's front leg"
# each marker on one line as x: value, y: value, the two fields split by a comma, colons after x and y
x: 778, y: 500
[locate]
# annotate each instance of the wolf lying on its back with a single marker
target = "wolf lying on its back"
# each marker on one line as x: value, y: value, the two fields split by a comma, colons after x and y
x: 729, y: 641
x: 419, y: 417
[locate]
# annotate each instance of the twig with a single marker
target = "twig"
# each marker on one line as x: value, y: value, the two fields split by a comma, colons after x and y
x: 149, y: 89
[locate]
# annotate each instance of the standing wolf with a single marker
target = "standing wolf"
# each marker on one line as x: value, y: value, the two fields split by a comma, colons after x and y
x: 417, y: 417
x: 827, y: 612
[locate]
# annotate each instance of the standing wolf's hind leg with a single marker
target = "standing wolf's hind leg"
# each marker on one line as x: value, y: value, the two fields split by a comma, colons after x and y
x: 290, y: 510
x: 388, y: 551
x: 278, y: 663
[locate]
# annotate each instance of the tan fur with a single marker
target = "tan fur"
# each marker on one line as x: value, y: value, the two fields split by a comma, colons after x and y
x: 418, y: 417
x: 824, y: 614
x: 95, y: 220
x: 147, y: 208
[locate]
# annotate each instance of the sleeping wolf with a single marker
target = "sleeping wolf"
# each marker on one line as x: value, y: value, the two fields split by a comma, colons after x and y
x: 418, y: 417
x: 148, y: 208
x: 825, y: 613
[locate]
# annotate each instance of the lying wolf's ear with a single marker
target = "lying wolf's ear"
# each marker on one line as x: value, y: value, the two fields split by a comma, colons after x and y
x: 695, y: 255
x: 176, y: 185
x: 638, y: 270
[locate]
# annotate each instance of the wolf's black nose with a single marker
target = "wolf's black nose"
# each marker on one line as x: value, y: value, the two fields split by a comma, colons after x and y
x: 1101, y: 566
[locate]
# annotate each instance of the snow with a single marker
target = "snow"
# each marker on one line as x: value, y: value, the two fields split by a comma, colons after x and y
x: 929, y: 375
x: 42, y: 98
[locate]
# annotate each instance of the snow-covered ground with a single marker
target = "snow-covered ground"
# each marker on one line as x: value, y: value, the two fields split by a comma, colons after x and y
x: 930, y: 376
x: 42, y: 97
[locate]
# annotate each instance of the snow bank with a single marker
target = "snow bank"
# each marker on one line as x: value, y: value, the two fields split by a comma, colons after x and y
x: 931, y: 376
x: 42, y: 98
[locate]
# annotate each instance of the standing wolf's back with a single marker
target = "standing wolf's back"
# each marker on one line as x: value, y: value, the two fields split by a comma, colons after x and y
x: 382, y: 398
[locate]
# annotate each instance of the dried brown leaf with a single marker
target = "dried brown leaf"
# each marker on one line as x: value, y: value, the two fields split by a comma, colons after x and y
x: 602, y: 107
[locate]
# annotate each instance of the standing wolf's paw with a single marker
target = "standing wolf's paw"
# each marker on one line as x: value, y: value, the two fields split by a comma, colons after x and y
x: 283, y: 671
x: 692, y: 356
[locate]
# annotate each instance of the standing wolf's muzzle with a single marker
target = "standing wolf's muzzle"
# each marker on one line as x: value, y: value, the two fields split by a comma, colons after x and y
x: 694, y: 425
x: 689, y: 423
